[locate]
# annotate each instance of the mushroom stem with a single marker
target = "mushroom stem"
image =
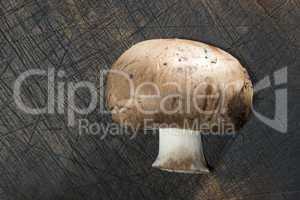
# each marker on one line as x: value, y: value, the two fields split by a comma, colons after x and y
x: 180, y: 150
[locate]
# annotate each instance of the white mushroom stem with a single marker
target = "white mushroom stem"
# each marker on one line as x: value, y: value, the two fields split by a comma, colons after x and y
x: 180, y: 150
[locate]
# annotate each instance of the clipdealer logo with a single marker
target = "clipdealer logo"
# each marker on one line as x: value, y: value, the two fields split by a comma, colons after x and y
x: 56, y: 100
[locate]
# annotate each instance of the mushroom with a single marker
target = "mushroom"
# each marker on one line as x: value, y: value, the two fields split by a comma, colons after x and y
x: 185, y: 89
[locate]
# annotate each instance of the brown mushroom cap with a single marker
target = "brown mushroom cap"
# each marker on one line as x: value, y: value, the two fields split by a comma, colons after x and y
x: 181, y: 70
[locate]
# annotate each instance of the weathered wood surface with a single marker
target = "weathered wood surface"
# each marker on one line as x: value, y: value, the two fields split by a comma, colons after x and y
x: 42, y: 158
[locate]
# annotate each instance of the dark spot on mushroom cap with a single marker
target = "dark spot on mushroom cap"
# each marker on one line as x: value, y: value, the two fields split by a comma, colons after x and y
x: 238, y: 111
x: 165, y: 64
x: 214, y: 129
x: 179, y: 59
x: 130, y: 76
x: 209, y: 90
x: 214, y: 61
x: 175, y: 101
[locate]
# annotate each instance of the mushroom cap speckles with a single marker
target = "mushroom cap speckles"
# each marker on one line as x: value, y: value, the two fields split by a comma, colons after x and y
x: 176, y: 81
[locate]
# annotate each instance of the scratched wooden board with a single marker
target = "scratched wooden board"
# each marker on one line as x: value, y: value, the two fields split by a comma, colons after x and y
x: 42, y: 158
